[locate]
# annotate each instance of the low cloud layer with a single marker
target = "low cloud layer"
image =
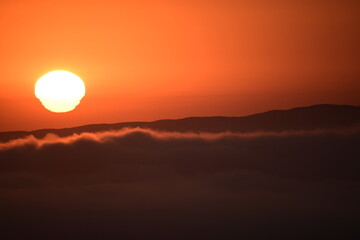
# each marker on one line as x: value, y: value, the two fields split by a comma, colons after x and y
x: 105, y: 136
x: 139, y: 183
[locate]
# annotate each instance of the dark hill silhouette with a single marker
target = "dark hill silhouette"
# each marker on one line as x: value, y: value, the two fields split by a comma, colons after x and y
x: 301, y: 118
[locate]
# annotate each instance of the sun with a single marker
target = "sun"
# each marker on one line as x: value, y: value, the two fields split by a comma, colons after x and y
x: 60, y: 91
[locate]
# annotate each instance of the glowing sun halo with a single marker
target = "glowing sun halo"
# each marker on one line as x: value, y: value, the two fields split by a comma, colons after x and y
x: 60, y: 91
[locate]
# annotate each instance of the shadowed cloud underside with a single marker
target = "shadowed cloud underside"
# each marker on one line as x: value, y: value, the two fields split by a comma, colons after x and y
x: 138, y: 183
x: 282, y: 174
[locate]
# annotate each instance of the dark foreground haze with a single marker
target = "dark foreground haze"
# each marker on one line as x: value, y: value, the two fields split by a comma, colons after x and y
x: 153, y: 183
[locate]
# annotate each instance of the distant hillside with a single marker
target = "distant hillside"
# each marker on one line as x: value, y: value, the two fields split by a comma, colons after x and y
x: 301, y: 118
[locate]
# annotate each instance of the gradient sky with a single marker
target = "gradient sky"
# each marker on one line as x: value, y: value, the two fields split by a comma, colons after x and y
x: 149, y: 60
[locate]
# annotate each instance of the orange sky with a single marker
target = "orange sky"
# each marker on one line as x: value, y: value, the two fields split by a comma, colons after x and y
x: 149, y: 60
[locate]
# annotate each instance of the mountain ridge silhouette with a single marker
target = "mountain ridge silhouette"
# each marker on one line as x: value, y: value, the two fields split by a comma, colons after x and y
x: 321, y: 116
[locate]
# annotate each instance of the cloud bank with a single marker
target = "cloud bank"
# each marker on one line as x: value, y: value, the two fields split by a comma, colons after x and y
x: 105, y: 136
x: 140, y: 183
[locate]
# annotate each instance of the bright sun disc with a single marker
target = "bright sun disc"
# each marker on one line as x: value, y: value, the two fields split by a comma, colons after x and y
x: 60, y: 91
